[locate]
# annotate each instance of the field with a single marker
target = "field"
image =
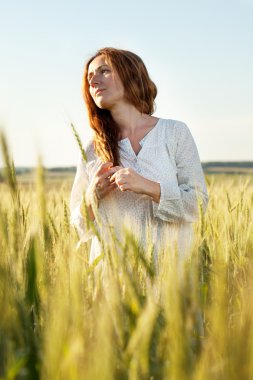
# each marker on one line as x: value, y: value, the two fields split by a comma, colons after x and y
x: 62, y: 319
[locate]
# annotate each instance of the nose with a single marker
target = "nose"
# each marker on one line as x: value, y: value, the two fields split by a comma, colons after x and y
x: 94, y: 80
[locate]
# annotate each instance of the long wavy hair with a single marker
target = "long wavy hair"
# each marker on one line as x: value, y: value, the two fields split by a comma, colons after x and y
x: 139, y: 90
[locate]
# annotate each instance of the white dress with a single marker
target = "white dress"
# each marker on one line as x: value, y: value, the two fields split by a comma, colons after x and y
x: 169, y: 156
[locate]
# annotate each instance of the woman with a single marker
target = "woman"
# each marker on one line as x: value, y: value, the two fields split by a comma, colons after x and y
x: 140, y: 172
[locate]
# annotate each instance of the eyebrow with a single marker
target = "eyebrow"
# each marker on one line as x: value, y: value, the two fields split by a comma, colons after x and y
x: 98, y: 68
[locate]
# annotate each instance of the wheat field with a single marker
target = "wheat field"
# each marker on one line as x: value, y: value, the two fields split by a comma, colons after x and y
x: 61, y: 319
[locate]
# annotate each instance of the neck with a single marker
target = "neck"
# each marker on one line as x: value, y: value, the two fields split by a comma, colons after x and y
x: 128, y: 118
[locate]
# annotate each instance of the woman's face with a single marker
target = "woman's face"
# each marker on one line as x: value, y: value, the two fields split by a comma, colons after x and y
x: 106, y: 87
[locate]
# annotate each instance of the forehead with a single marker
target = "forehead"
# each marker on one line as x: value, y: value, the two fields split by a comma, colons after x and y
x: 97, y: 62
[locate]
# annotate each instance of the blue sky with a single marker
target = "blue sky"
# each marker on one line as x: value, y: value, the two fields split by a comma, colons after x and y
x: 199, y: 54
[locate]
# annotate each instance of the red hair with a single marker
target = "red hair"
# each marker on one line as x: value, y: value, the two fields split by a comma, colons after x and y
x: 139, y: 90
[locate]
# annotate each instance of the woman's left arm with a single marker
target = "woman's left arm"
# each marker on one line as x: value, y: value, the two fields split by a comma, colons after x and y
x: 172, y: 202
x: 180, y: 203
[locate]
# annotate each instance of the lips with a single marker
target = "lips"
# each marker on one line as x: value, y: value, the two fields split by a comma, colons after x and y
x: 99, y: 90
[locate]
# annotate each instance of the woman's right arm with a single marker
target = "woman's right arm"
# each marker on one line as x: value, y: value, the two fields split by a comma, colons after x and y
x: 85, y: 196
x: 77, y: 204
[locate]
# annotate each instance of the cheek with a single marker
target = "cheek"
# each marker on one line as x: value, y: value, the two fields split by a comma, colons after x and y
x: 91, y: 94
x: 116, y: 85
x: 119, y: 87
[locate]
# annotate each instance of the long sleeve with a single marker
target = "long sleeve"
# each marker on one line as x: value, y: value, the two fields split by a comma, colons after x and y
x: 79, y: 188
x: 180, y: 203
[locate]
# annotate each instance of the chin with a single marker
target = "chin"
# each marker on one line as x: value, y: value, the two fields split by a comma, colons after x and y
x: 103, y: 105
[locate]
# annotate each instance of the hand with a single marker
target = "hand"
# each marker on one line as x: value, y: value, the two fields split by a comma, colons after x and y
x: 99, y: 187
x: 128, y: 179
x: 102, y: 185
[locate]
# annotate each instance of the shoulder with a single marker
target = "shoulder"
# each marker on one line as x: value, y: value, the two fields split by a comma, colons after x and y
x: 88, y: 146
x: 174, y: 128
x: 173, y: 124
x: 87, y: 152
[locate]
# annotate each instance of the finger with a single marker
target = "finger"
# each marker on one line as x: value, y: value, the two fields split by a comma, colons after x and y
x: 108, y: 173
x: 114, y: 170
x: 115, y: 175
x: 104, y: 167
x: 102, y: 183
x: 112, y: 178
x: 108, y: 189
x: 111, y: 187
x: 116, y: 178
x: 107, y: 183
x: 122, y: 187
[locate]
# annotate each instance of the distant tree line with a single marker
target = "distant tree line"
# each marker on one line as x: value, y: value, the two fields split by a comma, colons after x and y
x: 229, y: 164
x: 207, y: 166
